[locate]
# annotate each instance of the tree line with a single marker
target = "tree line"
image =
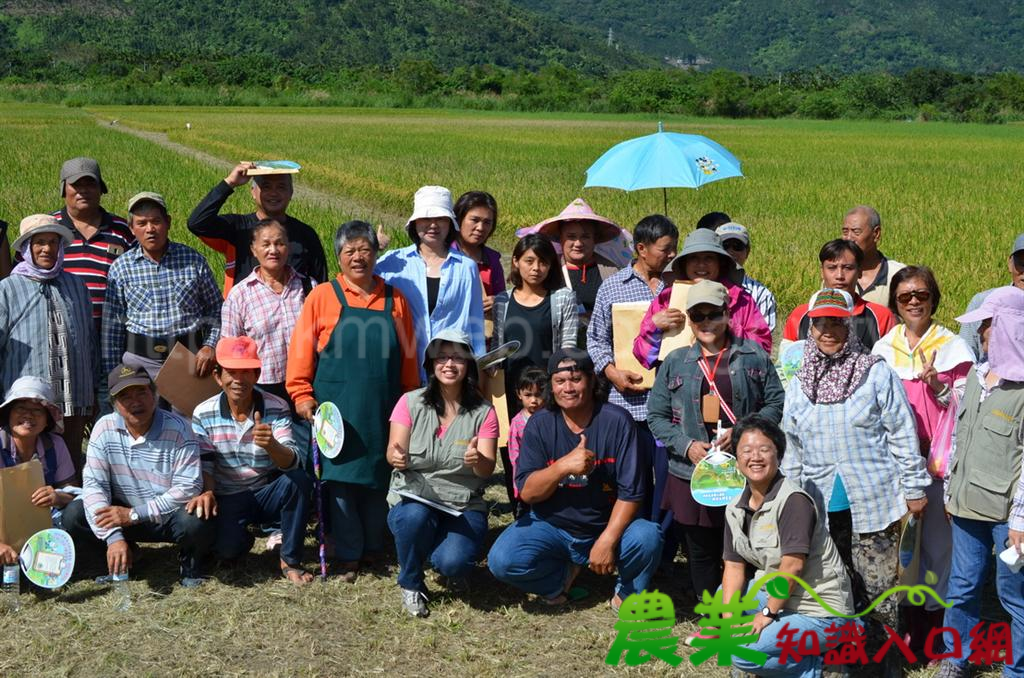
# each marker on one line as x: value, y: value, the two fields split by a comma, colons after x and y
x: 126, y: 78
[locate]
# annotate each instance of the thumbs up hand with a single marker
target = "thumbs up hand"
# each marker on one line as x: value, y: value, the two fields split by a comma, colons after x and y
x: 580, y: 460
x: 262, y: 434
x: 472, y: 455
x: 398, y: 457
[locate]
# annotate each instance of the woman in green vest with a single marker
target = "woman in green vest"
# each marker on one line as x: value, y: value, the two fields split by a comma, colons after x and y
x: 774, y: 526
x: 443, y: 443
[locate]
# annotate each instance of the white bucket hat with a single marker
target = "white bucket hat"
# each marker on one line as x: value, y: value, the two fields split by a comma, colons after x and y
x: 431, y: 201
x: 35, y: 389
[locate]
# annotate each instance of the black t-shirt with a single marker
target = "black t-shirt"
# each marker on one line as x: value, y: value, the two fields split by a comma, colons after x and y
x: 586, y: 280
x: 583, y: 506
x: 3, y: 230
x: 433, y: 290
x: 796, y: 523
x: 531, y: 327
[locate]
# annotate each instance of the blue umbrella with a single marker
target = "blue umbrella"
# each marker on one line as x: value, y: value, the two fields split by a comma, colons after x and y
x: 663, y: 160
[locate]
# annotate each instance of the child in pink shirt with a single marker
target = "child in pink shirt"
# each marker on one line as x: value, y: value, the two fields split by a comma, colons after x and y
x: 530, y: 390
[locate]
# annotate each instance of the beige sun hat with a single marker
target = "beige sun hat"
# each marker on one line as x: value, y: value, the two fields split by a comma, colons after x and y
x: 41, y: 223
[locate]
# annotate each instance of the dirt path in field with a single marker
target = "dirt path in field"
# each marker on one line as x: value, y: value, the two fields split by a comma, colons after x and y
x: 305, y: 193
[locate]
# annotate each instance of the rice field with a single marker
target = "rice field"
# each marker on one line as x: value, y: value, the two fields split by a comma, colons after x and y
x: 949, y: 195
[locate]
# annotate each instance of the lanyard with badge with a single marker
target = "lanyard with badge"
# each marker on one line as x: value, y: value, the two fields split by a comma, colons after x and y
x: 716, y: 480
x: 712, y: 405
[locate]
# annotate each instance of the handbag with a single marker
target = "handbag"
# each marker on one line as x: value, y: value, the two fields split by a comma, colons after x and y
x: 942, y: 439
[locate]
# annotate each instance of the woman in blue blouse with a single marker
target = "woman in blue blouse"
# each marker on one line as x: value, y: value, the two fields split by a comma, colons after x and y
x: 442, y: 286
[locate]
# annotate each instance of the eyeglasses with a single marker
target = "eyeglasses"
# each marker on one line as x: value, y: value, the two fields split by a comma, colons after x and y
x: 33, y: 410
x: 735, y: 245
x: 920, y: 295
x: 457, y: 359
x: 698, y: 317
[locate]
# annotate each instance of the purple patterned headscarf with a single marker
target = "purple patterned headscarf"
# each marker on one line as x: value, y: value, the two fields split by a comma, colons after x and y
x: 829, y: 379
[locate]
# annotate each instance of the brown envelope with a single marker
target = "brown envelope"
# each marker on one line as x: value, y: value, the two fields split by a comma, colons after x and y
x: 19, y: 519
x: 626, y: 319
x: 177, y: 382
x: 496, y: 394
x: 674, y: 339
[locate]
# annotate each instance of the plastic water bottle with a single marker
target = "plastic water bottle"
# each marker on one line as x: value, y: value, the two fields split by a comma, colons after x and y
x: 122, y: 594
x: 12, y: 588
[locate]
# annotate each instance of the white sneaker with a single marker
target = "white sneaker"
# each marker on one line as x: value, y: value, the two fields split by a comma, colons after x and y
x: 415, y: 603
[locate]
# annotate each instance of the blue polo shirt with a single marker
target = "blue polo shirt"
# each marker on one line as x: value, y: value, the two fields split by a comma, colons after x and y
x: 582, y: 506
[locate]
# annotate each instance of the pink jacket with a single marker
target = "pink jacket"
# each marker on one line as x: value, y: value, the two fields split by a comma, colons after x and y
x: 745, y: 320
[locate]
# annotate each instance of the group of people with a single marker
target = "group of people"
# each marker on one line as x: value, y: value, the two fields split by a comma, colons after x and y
x: 598, y: 466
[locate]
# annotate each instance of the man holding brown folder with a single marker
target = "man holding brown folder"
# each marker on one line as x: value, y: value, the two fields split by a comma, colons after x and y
x: 159, y: 293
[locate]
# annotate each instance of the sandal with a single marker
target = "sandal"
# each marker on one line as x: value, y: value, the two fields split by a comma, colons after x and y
x: 287, y: 571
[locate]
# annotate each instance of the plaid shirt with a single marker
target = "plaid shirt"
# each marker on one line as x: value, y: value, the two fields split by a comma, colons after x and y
x: 226, y: 446
x: 155, y: 474
x: 764, y: 299
x: 623, y: 287
x: 870, y: 439
x: 173, y: 296
x: 253, y: 309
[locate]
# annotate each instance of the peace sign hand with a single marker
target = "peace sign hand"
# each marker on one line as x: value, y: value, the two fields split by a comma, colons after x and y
x: 929, y: 374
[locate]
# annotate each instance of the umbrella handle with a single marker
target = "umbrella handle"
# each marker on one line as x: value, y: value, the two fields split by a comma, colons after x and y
x: 319, y: 507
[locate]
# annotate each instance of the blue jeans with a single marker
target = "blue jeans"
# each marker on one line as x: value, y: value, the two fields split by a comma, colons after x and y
x: 535, y: 556
x: 812, y: 663
x: 358, y: 516
x: 421, y: 532
x: 285, y: 499
x: 972, y: 556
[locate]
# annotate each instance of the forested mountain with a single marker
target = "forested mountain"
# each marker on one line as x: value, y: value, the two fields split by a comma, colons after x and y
x: 331, y: 33
x: 769, y: 36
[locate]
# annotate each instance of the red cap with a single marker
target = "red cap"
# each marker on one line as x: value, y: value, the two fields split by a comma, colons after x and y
x: 237, y: 353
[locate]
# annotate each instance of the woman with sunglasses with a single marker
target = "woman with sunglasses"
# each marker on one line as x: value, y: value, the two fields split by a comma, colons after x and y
x: 720, y: 378
x: 850, y: 429
x: 442, y: 446
x: 932, y: 363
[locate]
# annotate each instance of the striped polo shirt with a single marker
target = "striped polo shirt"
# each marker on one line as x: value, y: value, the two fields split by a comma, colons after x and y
x: 226, y: 446
x: 156, y: 473
x: 90, y: 259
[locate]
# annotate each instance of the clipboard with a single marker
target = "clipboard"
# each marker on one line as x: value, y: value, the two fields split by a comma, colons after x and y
x: 19, y: 518
x: 682, y: 337
x: 626, y: 319
x: 178, y: 384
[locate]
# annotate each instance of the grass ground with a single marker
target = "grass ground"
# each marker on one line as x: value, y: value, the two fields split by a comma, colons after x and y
x: 949, y: 196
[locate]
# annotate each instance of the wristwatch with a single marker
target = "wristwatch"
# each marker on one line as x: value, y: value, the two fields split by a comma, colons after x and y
x: 133, y: 516
x: 767, y: 612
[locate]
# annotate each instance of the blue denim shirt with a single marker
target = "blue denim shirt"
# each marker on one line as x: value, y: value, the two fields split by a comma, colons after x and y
x: 674, y: 406
x: 460, y: 302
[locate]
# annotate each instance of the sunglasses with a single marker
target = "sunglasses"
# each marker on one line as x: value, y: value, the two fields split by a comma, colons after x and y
x: 457, y: 359
x: 735, y: 245
x: 698, y: 317
x: 920, y: 295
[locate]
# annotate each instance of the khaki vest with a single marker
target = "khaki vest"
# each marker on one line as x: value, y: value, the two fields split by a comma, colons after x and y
x: 436, y: 470
x: 823, y: 570
x: 988, y: 452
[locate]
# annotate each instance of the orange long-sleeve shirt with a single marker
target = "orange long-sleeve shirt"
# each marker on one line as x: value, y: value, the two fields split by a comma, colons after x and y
x: 319, y: 317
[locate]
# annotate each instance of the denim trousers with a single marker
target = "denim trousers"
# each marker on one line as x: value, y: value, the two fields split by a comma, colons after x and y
x: 972, y: 556
x: 284, y: 499
x: 450, y: 543
x: 767, y: 642
x: 535, y: 556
